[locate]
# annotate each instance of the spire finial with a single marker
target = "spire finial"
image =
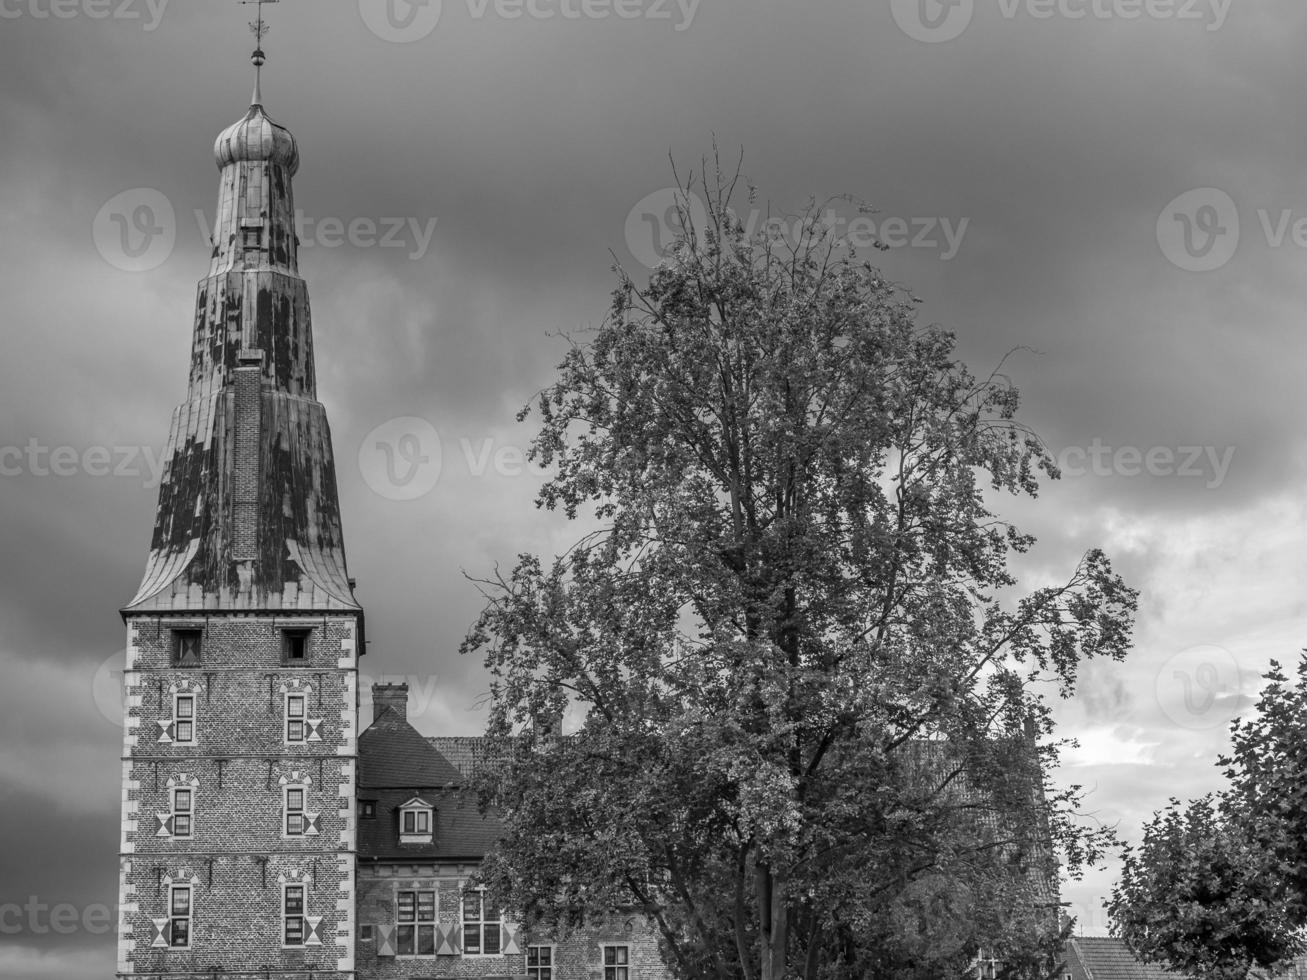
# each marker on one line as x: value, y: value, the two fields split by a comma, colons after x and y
x: 259, y: 30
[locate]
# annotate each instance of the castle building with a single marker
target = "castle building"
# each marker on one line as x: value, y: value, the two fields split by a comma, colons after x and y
x: 262, y: 834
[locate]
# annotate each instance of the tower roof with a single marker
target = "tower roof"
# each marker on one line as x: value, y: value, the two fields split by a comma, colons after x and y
x: 249, y: 515
x: 256, y: 138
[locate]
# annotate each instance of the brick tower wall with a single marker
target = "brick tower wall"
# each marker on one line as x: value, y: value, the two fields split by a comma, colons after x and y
x: 239, y: 857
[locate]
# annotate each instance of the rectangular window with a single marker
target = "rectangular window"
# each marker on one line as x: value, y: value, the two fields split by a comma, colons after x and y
x: 415, y: 923
x: 365, y: 934
x: 417, y: 821
x: 617, y: 963
x: 186, y: 647
x: 295, y: 645
x: 481, y: 932
x: 295, y: 820
x: 179, y: 917
x: 295, y: 708
x: 986, y: 967
x: 368, y: 809
x: 184, y: 715
x: 540, y: 963
x: 182, y: 803
x: 293, y: 915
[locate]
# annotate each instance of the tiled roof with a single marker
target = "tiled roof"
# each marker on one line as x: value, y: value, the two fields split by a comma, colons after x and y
x: 467, y: 753
x: 1103, y: 958
x: 461, y: 832
x: 397, y: 763
x: 392, y: 753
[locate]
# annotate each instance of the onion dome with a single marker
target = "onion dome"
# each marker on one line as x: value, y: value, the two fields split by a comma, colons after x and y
x: 257, y: 139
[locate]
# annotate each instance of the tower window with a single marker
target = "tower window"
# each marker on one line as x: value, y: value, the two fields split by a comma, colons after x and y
x: 293, y: 915
x: 183, y: 808
x: 295, y: 718
x: 295, y: 819
x: 179, y: 918
x: 184, y: 719
x: 295, y: 645
x: 186, y: 647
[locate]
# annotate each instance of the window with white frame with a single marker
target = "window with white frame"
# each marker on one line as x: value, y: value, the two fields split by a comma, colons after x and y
x: 179, y: 917
x: 184, y: 719
x: 617, y: 963
x: 540, y: 963
x: 416, y: 819
x: 415, y: 923
x: 985, y: 966
x: 292, y: 915
x: 296, y: 821
x: 183, y: 811
x: 296, y: 718
x: 481, y: 926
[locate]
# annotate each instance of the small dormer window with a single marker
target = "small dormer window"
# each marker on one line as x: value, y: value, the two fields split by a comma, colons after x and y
x: 416, y: 818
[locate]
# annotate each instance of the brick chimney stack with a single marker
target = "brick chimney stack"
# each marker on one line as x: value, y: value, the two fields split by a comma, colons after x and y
x: 392, y: 696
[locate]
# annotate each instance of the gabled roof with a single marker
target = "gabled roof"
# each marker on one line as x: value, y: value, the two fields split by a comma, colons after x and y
x: 393, y: 754
x: 398, y: 766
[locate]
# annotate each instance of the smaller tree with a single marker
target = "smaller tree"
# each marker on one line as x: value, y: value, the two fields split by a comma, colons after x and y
x: 1218, y: 888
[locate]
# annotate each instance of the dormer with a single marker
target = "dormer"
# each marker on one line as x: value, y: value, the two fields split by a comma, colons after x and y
x: 417, y: 817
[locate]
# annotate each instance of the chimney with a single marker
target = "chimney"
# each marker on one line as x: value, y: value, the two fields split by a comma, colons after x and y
x: 392, y: 696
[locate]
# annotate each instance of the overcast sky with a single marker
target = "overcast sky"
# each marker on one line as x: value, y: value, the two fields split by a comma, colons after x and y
x: 1114, y: 184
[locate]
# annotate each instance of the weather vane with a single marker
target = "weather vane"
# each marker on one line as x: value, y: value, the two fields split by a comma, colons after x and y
x: 260, y: 30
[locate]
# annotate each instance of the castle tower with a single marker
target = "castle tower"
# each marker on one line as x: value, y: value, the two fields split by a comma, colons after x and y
x: 238, y: 842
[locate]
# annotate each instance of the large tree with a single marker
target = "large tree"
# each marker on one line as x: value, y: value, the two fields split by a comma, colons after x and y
x: 1218, y: 886
x: 813, y: 737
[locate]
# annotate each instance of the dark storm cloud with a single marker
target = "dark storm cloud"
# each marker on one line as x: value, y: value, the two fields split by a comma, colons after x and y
x: 1059, y: 143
